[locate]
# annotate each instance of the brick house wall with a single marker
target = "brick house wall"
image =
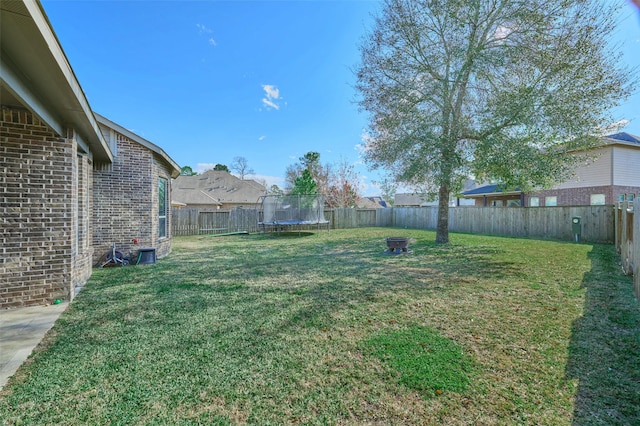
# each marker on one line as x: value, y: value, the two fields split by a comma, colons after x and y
x: 125, y: 199
x: 44, y: 249
x: 582, y: 196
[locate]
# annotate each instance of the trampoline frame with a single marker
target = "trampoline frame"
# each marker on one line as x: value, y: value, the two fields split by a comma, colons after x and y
x: 288, y: 212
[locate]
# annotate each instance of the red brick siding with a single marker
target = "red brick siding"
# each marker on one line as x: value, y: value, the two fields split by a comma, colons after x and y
x: 38, y: 211
x: 582, y: 196
x: 125, y: 201
x: 84, y: 243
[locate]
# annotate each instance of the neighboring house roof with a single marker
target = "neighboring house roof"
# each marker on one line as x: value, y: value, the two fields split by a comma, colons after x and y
x: 215, y: 187
x: 371, y: 203
x: 627, y: 138
x: 175, y: 168
x: 38, y: 77
x: 489, y: 190
x: 409, y: 200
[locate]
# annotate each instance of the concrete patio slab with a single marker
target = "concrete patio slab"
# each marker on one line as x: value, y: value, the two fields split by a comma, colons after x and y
x: 21, y: 330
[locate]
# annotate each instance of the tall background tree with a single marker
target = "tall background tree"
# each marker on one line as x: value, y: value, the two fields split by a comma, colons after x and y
x: 311, y: 162
x: 339, y: 184
x: 240, y: 165
x: 187, y: 171
x: 304, y: 184
x: 343, y: 186
x: 388, y: 188
x: 494, y: 89
x: 221, y: 167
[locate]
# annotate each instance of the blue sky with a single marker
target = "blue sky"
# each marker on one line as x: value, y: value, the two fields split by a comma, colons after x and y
x: 212, y: 80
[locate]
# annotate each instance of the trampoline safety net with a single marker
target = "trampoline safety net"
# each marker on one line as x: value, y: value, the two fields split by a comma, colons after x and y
x: 291, y: 210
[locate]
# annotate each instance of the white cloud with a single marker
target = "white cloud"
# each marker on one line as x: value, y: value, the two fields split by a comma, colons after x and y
x: 270, y: 104
x: 270, y: 180
x: 272, y: 94
x: 261, y: 138
x: 613, y: 128
x: 271, y: 91
x: 203, y: 29
x: 203, y: 167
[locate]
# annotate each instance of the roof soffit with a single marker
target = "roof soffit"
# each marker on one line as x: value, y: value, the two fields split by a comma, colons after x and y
x: 32, y: 53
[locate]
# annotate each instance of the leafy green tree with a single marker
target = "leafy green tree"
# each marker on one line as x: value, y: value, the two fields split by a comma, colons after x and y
x: 310, y: 161
x: 187, y: 171
x: 275, y: 190
x: 221, y: 167
x: 304, y: 185
x: 497, y: 89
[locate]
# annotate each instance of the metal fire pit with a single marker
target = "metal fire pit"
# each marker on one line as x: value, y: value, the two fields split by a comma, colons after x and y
x: 398, y: 244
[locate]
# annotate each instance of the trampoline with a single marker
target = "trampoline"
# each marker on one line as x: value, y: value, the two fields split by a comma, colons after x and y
x: 288, y: 212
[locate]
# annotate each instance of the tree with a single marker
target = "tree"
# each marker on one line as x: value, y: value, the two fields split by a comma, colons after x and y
x: 388, y: 188
x: 496, y: 89
x: 310, y: 161
x: 304, y: 185
x: 241, y: 167
x: 343, y: 187
x: 187, y: 171
x: 221, y: 167
x: 274, y: 190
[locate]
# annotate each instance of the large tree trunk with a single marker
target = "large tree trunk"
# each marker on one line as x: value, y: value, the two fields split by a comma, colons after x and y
x: 442, y: 232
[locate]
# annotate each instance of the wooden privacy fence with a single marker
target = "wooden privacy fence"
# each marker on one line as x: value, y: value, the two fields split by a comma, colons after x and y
x: 190, y: 221
x: 597, y: 222
x: 628, y: 226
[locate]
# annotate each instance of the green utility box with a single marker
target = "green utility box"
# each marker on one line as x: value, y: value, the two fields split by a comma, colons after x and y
x: 576, y: 228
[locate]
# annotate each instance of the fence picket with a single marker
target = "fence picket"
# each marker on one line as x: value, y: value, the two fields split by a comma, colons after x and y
x: 532, y: 222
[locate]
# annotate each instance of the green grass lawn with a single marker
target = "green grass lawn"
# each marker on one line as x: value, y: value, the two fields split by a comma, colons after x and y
x: 325, y: 328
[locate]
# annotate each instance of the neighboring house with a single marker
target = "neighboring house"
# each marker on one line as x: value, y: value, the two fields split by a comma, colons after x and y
x: 216, y: 189
x: 131, y: 195
x: 54, y: 163
x: 372, y: 203
x: 492, y: 195
x: 412, y: 200
x: 610, y: 171
x: 422, y: 200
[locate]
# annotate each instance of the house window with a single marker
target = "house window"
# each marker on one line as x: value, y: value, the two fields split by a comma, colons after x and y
x: 534, y: 202
x: 551, y: 201
x: 496, y: 203
x: 597, y: 199
x: 513, y: 203
x: 162, y: 207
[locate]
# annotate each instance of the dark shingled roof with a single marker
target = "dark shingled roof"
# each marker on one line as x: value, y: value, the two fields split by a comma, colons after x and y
x: 625, y: 137
x: 487, y: 189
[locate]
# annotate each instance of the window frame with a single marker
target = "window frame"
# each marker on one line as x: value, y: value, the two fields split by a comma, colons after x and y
x: 163, y: 189
x: 599, y: 202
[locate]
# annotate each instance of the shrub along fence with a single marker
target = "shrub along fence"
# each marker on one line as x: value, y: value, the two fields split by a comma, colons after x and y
x: 596, y: 222
x: 628, y: 226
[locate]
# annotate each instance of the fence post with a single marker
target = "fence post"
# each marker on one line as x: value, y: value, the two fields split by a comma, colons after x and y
x: 635, y: 232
